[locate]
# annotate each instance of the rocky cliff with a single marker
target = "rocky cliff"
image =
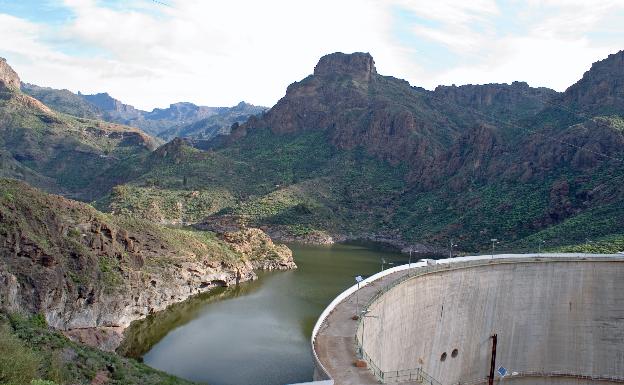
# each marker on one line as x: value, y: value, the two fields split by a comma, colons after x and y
x: 465, y: 155
x: 355, y: 106
x: 600, y: 89
x: 8, y: 78
x: 359, y: 66
x: 91, y: 274
x: 506, y: 102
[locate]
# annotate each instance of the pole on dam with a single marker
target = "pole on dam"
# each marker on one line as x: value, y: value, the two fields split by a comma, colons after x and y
x: 493, y: 362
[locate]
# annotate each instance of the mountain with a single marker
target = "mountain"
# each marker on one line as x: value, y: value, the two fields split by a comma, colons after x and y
x: 349, y: 153
x: 179, y: 119
x: 219, y: 123
x: 601, y: 89
x: 63, y: 101
x: 90, y: 274
x: 55, y: 151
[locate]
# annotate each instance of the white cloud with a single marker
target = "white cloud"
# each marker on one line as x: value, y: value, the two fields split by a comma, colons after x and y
x: 218, y: 53
x: 214, y: 53
x: 554, y: 47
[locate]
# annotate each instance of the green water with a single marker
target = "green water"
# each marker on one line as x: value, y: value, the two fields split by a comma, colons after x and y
x: 257, y: 333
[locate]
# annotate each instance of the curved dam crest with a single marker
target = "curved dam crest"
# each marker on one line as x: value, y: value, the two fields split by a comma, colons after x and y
x: 553, y: 314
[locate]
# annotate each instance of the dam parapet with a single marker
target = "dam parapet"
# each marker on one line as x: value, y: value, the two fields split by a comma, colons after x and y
x: 557, y: 316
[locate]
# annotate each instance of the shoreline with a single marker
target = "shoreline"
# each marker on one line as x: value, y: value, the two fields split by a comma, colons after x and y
x: 322, y: 238
x: 110, y: 337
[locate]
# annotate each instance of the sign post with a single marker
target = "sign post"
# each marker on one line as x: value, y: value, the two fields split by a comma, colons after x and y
x: 358, y: 279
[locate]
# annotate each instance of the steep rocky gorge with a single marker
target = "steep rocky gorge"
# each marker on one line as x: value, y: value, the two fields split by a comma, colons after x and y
x: 90, y: 274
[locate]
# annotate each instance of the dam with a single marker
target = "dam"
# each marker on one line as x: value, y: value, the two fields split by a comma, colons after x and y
x: 518, y: 318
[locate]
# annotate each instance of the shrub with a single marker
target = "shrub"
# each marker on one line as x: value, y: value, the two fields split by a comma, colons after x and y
x: 42, y: 382
x: 18, y: 364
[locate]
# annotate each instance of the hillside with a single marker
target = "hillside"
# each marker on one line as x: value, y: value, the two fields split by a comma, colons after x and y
x: 90, y: 274
x: 58, y: 152
x: 179, y: 119
x: 34, y: 352
x: 351, y: 153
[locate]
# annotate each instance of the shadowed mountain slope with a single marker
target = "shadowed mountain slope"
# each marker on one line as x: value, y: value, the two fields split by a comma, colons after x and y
x: 57, y: 151
x: 351, y: 153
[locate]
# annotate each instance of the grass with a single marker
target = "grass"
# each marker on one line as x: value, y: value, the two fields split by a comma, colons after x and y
x: 32, y: 353
x: 18, y: 364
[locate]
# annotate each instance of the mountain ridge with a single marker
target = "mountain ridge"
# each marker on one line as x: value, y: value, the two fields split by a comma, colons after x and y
x: 182, y: 118
x: 496, y: 160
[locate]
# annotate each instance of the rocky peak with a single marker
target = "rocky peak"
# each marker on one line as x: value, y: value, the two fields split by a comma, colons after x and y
x: 358, y: 65
x: 602, y: 86
x: 8, y: 77
x: 485, y: 96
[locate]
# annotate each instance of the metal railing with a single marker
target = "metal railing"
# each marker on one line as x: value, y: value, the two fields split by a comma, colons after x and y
x: 537, y: 373
x: 394, y: 376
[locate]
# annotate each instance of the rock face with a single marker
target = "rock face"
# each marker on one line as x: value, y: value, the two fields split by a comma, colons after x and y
x: 505, y: 101
x: 360, y: 66
x: 8, y: 77
x: 84, y: 270
x: 355, y: 106
x: 490, y: 128
x: 398, y: 123
x: 601, y: 88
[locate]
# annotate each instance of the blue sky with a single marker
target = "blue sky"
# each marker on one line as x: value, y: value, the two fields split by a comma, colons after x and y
x: 220, y: 52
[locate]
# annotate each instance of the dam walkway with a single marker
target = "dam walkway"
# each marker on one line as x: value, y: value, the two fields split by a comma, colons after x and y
x: 334, y: 343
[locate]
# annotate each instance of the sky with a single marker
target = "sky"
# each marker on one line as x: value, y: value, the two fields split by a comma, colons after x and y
x: 153, y: 53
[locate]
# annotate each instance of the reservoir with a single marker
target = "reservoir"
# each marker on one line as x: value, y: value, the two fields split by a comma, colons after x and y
x: 256, y: 333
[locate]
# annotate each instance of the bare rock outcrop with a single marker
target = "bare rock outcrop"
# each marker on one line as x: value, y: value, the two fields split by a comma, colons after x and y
x: 359, y: 66
x: 92, y: 274
x: 601, y: 88
x: 8, y: 77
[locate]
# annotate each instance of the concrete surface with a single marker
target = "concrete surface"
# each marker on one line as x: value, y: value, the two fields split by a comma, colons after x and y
x: 551, y: 313
x: 335, y: 342
x: 549, y: 317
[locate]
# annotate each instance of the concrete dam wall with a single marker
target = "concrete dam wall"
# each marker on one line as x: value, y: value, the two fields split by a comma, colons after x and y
x: 550, y: 317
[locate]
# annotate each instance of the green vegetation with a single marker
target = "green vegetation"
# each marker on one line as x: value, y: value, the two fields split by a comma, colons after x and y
x: 60, y: 152
x: 30, y: 353
x: 166, y: 205
x: 302, y: 184
x: 343, y: 155
x: 606, y: 245
x: 63, y: 101
x: 18, y: 364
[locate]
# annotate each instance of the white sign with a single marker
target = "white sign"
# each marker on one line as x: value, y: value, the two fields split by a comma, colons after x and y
x: 359, y: 278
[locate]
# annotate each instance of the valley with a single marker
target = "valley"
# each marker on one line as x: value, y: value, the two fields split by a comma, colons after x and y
x: 147, y: 232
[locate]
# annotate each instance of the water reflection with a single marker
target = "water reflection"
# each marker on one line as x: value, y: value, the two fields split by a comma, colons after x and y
x: 258, y: 332
x: 142, y: 335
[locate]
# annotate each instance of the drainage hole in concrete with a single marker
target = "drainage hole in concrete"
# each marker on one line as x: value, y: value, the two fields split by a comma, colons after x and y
x: 443, y: 357
x: 454, y: 353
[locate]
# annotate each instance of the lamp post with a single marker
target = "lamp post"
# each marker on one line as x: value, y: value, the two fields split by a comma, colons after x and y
x: 587, y: 243
x: 384, y: 262
x: 364, y: 315
x: 410, y: 257
x: 539, y: 246
x: 451, y: 245
x: 494, y: 241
